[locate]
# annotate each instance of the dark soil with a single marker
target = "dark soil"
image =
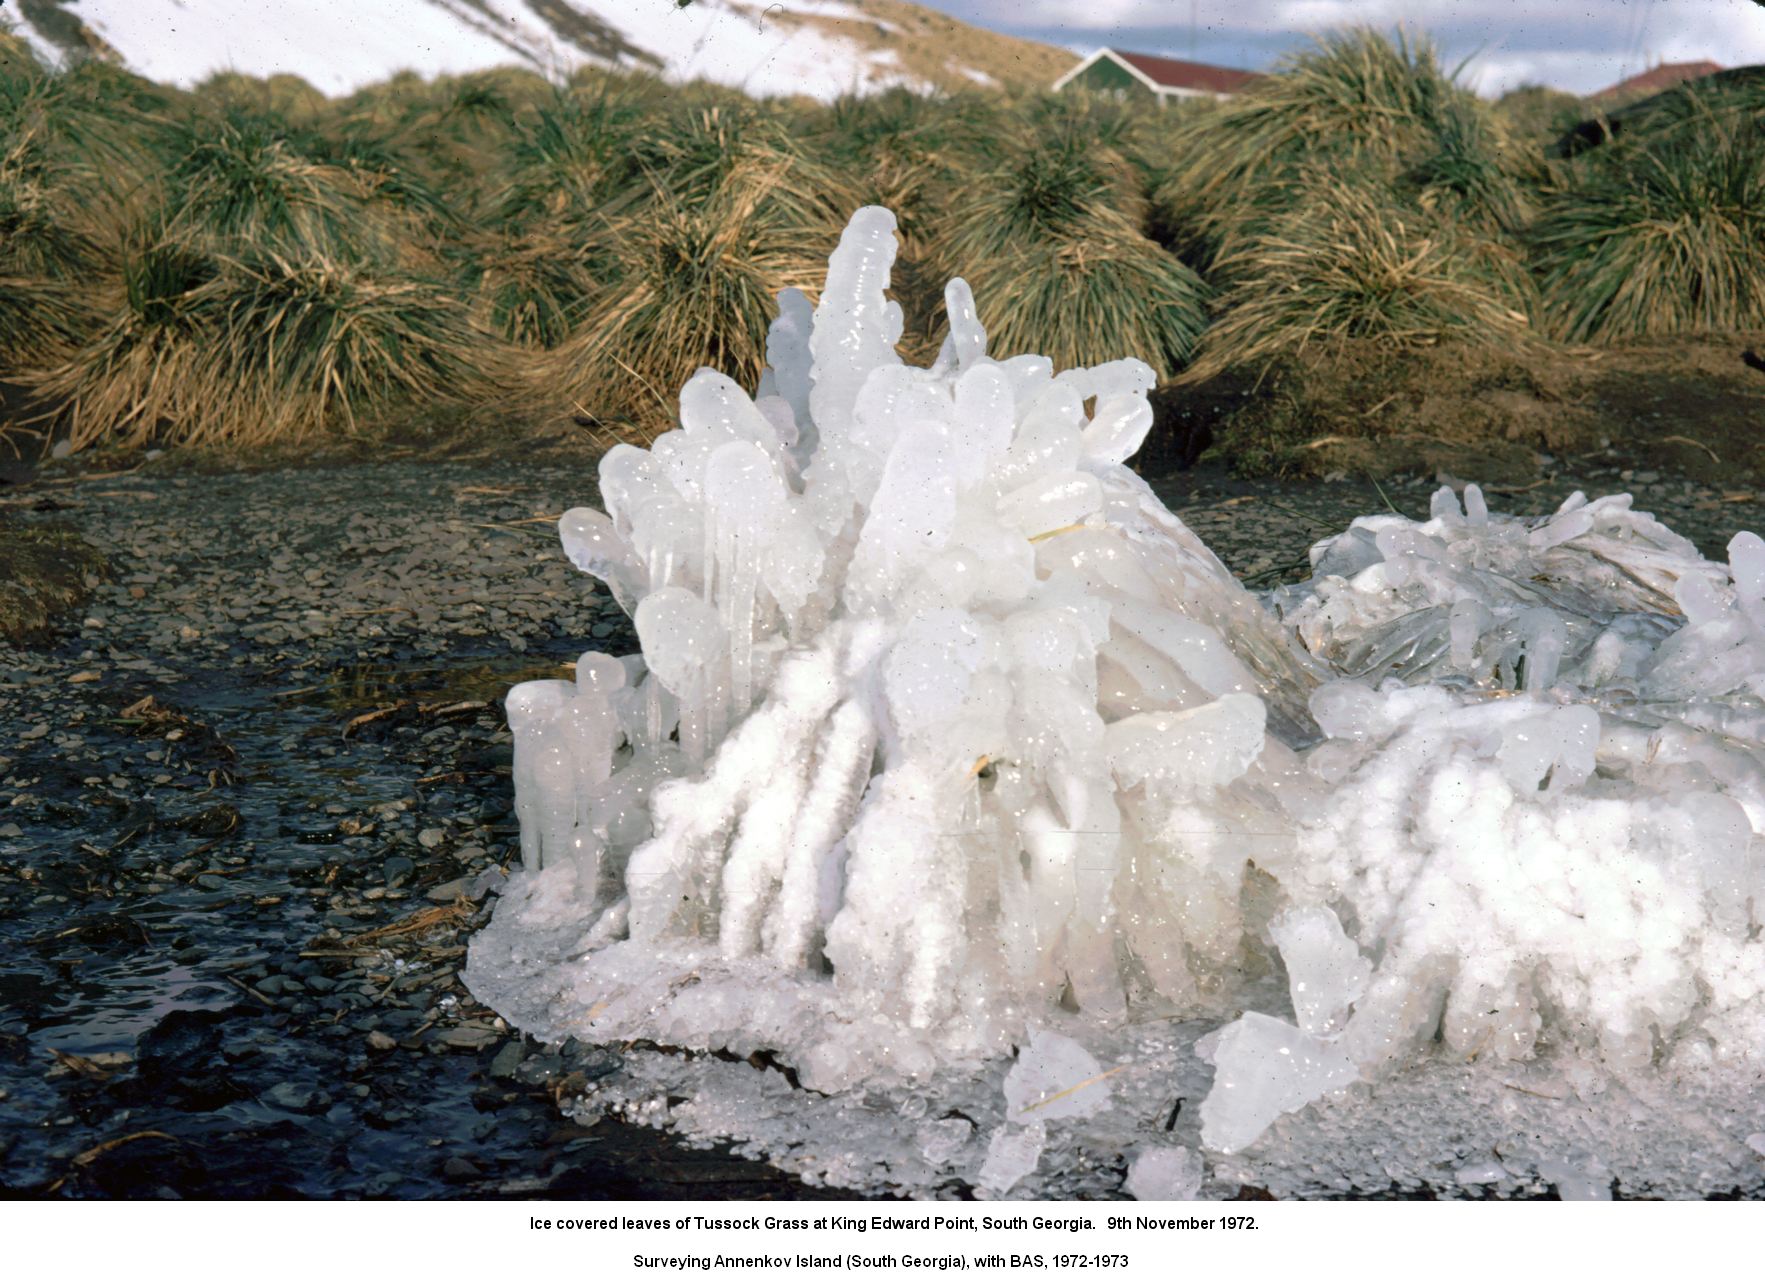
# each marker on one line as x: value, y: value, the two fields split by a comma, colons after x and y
x: 1688, y: 406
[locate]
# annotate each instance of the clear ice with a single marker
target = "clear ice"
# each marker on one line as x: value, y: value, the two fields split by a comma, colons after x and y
x: 948, y: 739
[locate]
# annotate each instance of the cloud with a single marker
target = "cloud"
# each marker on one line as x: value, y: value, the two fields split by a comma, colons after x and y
x: 1580, y: 45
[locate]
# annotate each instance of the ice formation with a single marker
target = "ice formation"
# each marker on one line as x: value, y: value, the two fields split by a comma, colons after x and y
x: 949, y: 739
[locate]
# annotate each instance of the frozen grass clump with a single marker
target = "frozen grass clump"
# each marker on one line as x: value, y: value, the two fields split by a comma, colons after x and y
x: 949, y: 743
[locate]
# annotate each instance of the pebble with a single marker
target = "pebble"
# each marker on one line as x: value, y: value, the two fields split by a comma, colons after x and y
x: 431, y: 837
x: 298, y: 1097
x: 381, y: 1042
x: 508, y: 1059
x: 467, y: 1037
x: 451, y: 891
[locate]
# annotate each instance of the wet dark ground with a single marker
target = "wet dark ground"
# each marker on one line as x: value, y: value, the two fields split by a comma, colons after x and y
x: 250, y: 807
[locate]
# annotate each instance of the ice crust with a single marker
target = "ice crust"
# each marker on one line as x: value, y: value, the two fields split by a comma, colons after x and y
x: 948, y: 739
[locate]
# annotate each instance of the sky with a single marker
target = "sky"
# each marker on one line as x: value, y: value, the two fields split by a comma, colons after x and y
x: 1578, y: 45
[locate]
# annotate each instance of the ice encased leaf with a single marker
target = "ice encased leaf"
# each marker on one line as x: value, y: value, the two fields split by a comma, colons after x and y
x: 1054, y: 1078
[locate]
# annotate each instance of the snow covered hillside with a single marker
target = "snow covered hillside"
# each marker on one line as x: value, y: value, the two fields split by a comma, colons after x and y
x: 820, y: 48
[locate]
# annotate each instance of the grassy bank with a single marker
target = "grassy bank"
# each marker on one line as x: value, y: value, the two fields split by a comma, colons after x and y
x: 252, y: 264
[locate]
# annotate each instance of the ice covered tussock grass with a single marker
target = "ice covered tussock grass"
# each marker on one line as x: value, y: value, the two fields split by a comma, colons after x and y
x: 948, y: 739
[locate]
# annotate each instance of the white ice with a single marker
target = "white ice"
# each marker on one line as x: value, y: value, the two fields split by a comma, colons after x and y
x: 949, y: 739
x: 1165, y: 1173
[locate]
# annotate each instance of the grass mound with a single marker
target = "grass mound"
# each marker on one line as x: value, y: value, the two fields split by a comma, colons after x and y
x: 210, y: 349
x: 1083, y: 301
x: 248, y: 181
x: 1359, y: 107
x: 46, y: 306
x: 693, y: 286
x: 1049, y: 240
x: 1348, y: 263
x: 68, y: 165
x: 569, y: 159
x: 1659, y: 232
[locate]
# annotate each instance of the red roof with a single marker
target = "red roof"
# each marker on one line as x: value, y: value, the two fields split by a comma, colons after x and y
x: 1198, y: 77
x: 1663, y: 77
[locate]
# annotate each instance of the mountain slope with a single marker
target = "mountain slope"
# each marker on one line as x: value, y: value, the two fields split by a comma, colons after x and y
x: 819, y: 48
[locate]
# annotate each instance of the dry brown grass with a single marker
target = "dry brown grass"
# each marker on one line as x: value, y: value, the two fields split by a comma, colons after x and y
x: 1659, y: 233
x: 259, y: 349
x: 1349, y: 262
x: 931, y: 46
x: 693, y: 287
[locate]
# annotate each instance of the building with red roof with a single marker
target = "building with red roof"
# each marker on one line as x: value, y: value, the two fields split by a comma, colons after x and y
x: 1658, y: 80
x: 1118, y: 71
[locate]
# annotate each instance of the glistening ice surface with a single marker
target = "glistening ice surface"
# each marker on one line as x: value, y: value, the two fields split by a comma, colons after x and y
x: 961, y: 780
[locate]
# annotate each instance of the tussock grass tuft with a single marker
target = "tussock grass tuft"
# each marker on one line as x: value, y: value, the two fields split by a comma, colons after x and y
x: 262, y: 348
x: 1537, y: 116
x: 899, y: 149
x: 243, y: 179
x: 1057, y: 266
x: 285, y: 97
x: 1083, y: 301
x: 693, y: 286
x: 67, y: 165
x: 1361, y: 106
x: 532, y: 289
x: 698, y: 155
x: 568, y: 159
x: 1659, y: 233
x: 1347, y: 263
x: 46, y: 265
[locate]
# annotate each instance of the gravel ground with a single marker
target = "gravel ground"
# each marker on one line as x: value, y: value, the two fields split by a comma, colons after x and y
x: 248, y: 807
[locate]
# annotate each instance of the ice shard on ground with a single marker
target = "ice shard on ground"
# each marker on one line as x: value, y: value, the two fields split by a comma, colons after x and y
x: 949, y: 738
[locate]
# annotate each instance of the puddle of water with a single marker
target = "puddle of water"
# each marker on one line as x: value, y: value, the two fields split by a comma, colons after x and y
x: 107, y: 1011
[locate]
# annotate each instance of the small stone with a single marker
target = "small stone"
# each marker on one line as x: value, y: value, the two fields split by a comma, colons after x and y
x: 431, y: 837
x: 459, y: 1169
x: 298, y: 1097
x: 536, y: 1071
x: 508, y: 1059
x: 84, y: 678
x: 398, y: 870
x: 451, y: 891
x: 381, y: 1042
x: 470, y: 1037
x: 10, y: 830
